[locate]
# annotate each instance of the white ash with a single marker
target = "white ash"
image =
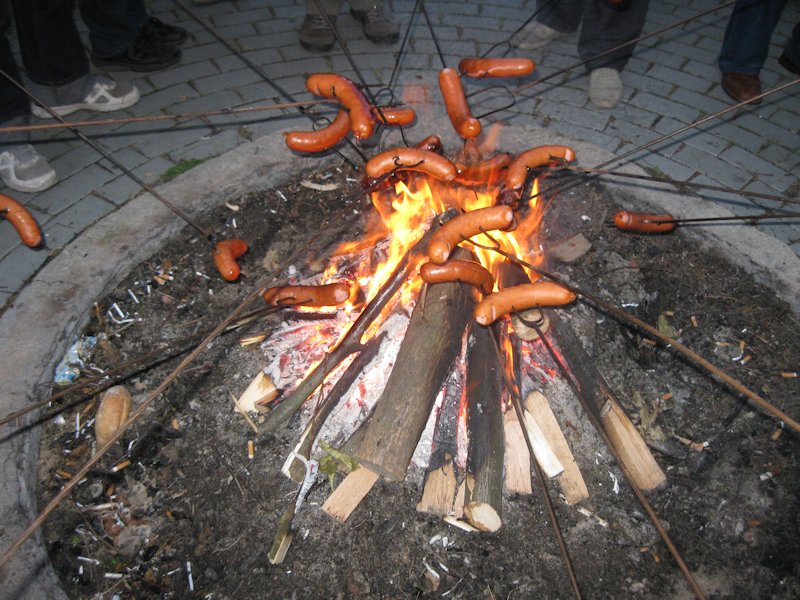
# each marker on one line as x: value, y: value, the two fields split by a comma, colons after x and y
x: 359, y: 400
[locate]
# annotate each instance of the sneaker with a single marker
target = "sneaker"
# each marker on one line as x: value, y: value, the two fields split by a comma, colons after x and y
x: 105, y: 96
x: 166, y: 34
x: 146, y: 53
x: 605, y: 87
x: 315, y: 34
x: 534, y: 35
x: 25, y: 170
x: 377, y: 25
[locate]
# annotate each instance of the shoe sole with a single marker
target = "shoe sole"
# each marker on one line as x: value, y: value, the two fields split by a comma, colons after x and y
x: 316, y: 47
x: 788, y: 65
x: 113, y: 65
x: 734, y: 98
x: 63, y: 111
x: 43, y: 185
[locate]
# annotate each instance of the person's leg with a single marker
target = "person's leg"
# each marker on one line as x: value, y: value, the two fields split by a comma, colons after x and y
x: 607, y: 25
x: 746, y: 45
x: 790, y: 59
x: 376, y: 24
x: 125, y: 37
x: 747, y: 36
x: 315, y: 34
x: 113, y: 24
x: 554, y: 18
x: 21, y: 167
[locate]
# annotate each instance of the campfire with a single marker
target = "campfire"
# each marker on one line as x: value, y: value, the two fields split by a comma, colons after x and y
x: 402, y: 372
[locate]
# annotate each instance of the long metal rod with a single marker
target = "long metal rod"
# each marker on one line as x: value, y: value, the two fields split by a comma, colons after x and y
x: 149, y: 399
x: 643, y: 501
x: 433, y: 35
x: 624, y: 45
x: 625, y: 317
x: 514, y: 393
x: 126, y: 369
x: 260, y: 72
x: 678, y: 183
x: 107, y: 155
x: 153, y: 118
x: 577, y: 179
x: 753, y: 218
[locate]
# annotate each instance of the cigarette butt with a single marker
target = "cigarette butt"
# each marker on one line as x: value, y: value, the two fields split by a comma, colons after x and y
x: 176, y: 425
x: 723, y: 344
x: 789, y: 374
x: 251, y: 449
x: 694, y: 321
x: 649, y: 342
x: 656, y: 557
x: 667, y: 396
x: 110, y: 489
x: 746, y: 359
x: 775, y: 435
x: 252, y: 339
x: 119, y: 466
x: 741, y: 346
x: 64, y: 474
x: 669, y: 313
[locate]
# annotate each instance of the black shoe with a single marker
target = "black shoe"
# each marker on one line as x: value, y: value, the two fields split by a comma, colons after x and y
x: 144, y: 55
x: 166, y: 34
x: 377, y: 25
x: 788, y: 64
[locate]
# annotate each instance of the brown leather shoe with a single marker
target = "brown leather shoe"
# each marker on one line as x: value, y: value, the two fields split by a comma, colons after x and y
x: 741, y: 86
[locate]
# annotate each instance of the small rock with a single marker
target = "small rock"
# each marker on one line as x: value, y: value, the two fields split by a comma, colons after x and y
x: 132, y: 539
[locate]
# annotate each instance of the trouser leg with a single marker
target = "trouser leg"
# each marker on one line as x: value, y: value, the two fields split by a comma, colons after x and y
x: 607, y: 25
x: 52, y: 50
x: 792, y: 50
x: 113, y: 24
x: 747, y: 36
x: 561, y: 15
x: 15, y: 108
x: 331, y: 7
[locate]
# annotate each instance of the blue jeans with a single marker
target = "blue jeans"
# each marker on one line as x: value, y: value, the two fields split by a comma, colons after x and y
x: 604, y: 25
x: 746, y: 42
x: 113, y: 24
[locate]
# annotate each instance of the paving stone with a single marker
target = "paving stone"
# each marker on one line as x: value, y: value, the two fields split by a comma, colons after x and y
x: 663, y: 106
x: 19, y: 265
x: 717, y: 169
x: 119, y: 190
x: 169, y: 77
x: 72, y: 189
x: 69, y: 223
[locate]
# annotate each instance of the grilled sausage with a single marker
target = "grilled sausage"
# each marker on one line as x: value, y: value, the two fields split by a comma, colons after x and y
x: 225, y: 254
x: 22, y: 220
x: 466, y: 225
x: 521, y: 297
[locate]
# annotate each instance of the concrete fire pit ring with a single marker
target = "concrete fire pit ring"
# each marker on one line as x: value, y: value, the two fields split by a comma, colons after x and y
x: 51, y: 309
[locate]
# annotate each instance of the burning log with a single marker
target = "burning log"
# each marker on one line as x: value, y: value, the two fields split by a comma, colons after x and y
x: 431, y: 343
x: 351, y: 342
x: 441, y: 479
x: 294, y: 467
x: 597, y: 397
x: 484, y: 501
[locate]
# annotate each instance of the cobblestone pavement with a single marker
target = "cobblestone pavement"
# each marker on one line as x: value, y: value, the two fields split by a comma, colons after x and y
x: 671, y: 81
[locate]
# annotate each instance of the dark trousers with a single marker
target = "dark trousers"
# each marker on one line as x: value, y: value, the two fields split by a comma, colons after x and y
x: 746, y: 43
x: 51, y: 50
x: 113, y: 24
x: 604, y: 25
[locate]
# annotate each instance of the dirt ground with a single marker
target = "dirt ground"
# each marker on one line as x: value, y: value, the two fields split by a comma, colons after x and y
x: 193, y: 511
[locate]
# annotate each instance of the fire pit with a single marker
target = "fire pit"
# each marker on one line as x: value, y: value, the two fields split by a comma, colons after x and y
x: 195, y: 511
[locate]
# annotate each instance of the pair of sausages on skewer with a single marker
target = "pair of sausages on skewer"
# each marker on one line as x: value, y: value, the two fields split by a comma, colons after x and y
x: 493, y: 305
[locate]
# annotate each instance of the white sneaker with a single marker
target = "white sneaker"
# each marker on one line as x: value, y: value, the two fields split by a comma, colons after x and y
x: 534, y: 35
x: 25, y: 170
x: 105, y: 96
x: 605, y: 88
